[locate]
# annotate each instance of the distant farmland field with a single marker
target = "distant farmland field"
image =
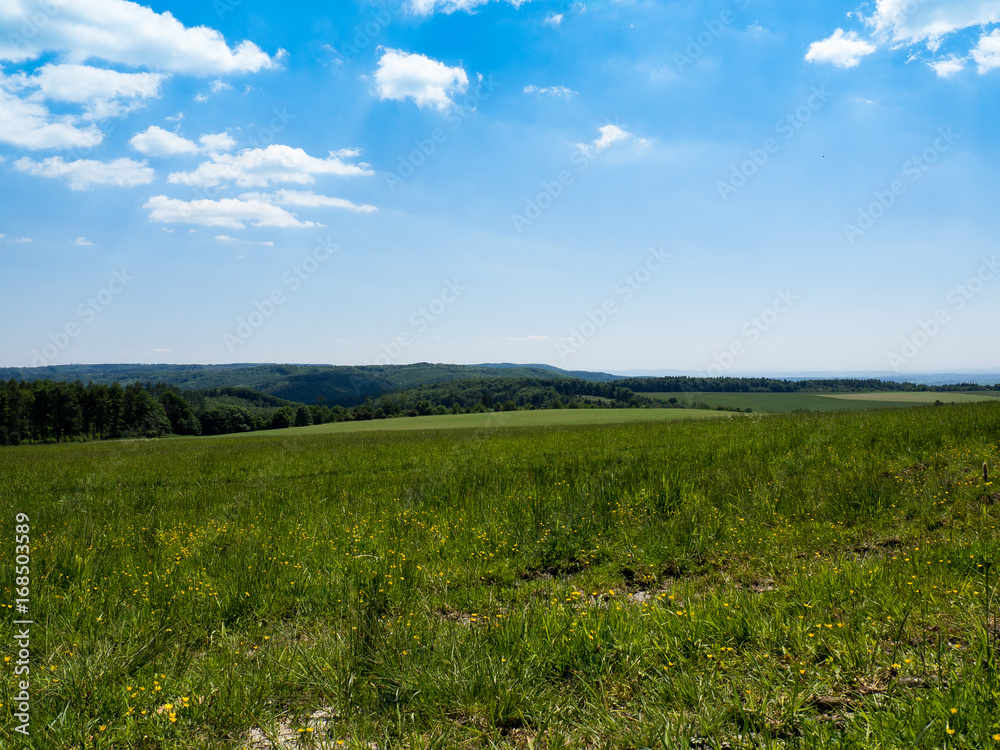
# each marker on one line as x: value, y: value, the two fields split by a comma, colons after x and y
x: 920, y: 397
x: 504, y: 419
x: 781, y: 403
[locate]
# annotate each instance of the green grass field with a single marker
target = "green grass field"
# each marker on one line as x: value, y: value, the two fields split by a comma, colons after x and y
x: 783, y: 403
x: 497, y: 420
x: 791, y: 581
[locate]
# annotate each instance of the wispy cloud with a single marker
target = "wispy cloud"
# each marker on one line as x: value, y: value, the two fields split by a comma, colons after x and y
x: 82, y: 174
x: 561, y: 91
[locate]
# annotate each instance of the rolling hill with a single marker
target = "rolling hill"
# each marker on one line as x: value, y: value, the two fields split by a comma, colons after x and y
x: 334, y: 384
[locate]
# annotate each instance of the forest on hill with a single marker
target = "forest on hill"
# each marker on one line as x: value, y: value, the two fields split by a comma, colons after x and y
x: 336, y: 384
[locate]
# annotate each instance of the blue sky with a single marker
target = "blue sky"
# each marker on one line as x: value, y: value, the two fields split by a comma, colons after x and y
x: 727, y: 187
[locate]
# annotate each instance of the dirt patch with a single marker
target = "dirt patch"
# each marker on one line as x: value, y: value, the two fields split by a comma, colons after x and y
x: 831, y: 703
x: 648, y: 595
x: 886, y: 545
x: 449, y: 614
x: 548, y: 572
x: 916, y: 468
x: 759, y: 585
x: 314, y: 732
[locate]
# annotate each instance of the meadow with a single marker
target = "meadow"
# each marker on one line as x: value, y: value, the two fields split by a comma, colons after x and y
x: 789, y: 581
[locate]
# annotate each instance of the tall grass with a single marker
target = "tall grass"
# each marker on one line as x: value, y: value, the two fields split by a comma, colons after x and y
x: 791, y: 581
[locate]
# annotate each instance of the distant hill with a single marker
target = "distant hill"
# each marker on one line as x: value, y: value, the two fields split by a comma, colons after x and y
x: 345, y: 385
x: 594, y: 377
x: 986, y: 377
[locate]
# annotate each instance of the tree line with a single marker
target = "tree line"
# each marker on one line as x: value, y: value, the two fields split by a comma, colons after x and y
x: 47, y: 411
x: 44, y: 411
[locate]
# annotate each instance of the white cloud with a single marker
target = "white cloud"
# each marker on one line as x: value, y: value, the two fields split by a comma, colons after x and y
x: 119, y: 31
x: 905, y: 23
x: 948, y: 67
x: 28, y: 124
x: 910, y: 21
x: 307, y: 199
x: 426, y: 7
x: 531, y: 337
x: 216, y: 142
x: 987, y: 52
x: 20, y: 240
x: 261, y: 167
x: 840, y: 48
x: 401, y: 75
x: 219, y: 85
x: 554, y: 20
x: 115, y: 32
x: 155, y: 141
x: 105, y: 93
x: 230, y: 213
x: 84, y: 173
x: 549, y: 91
x: 609, y: 134
x: 176, y: 118
x: 82, y: 242
x: 227, y: 238
x: 200, y: 98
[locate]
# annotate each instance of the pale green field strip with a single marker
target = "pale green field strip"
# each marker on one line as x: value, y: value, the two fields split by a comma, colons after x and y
x: 787, y: 402
x: 497, y: 420
x: 917, y: 397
